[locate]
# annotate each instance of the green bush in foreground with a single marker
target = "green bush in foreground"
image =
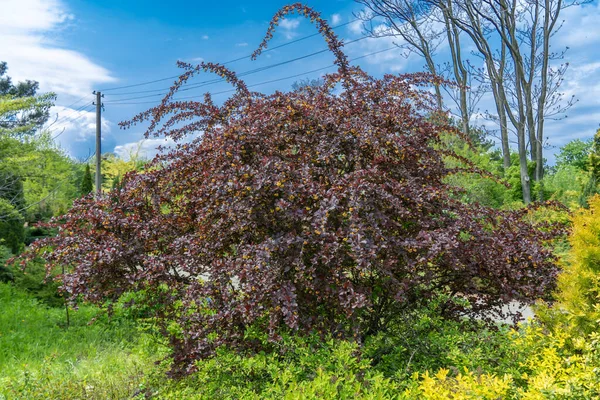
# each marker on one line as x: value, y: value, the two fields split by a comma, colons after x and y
x: 423, y: 358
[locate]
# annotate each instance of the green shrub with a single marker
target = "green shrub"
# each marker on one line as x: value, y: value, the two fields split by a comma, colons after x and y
x: 33, y: 279
x: 578, y: 306
x: 6, y: 273
x: 566, y: 185
x: 304, y: 368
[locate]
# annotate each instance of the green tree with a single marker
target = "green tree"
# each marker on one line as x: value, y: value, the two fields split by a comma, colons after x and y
x: 36, y: 177
x: 50, y: 183
x: 114, y: 168
x: 308, y: 83
x: 575, y: 153
x: 86, y: 182
x: 32, y: 112
x: 11, y: 187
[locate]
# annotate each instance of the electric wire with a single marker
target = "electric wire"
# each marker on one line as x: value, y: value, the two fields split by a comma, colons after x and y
x: 69, y: 115
x: 260, y: 83
x: 240, y: 75
x: 227, y: 62
x: 69, y: 106
x: 71, y: 119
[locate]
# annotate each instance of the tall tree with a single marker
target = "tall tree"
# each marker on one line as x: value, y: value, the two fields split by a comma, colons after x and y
x: 24, y: 119
x: 36, y: 177
x: 514, y: 38
x: 575, y: 153
x: 410, y: 21
x: 421, y: 27
x: 29, y: 119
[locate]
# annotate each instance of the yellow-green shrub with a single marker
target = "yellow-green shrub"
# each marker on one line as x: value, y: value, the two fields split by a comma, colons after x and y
x: 558, y: 364
x: 578, y: 297
x: 467, y: 385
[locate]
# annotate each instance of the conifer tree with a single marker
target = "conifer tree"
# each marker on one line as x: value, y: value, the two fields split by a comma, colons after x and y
x: 86, y: 181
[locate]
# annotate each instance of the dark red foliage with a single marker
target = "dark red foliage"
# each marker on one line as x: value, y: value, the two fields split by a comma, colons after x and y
x: 314, y: 210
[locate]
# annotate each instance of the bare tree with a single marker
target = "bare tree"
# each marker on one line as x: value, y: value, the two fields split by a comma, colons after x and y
x: 421, y: 27
x: 512, y: 38
x: 410, y: 21
x: 526, y: 81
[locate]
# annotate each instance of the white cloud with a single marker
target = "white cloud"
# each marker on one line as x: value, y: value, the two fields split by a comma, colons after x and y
x: 75, y: 130
x: 27, y: 15
x: 580, y: 27
x: 289, y: 25
x: 336, y: 19
x: 146, y: 148
x: 582, y: 80
x: 205, y: 37
x: 242, y: 44
x: 78, y: 125
x: 356, y: 27
x: 28, y: 39
x: 388, y: 58
x: 580, y: 32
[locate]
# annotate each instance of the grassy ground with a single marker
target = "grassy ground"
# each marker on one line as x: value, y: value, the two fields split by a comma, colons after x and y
x: 41, y: 358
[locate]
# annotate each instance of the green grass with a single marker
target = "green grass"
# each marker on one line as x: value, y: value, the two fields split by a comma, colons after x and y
x: 41, y: 358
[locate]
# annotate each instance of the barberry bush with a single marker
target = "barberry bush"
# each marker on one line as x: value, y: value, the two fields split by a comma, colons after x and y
x: 320, y: 210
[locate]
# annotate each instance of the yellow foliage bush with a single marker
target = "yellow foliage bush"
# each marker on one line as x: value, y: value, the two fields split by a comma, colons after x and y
x: 554, y: 365
x: 464, y: 386
x: 579, y: 285
x: 557, y: 364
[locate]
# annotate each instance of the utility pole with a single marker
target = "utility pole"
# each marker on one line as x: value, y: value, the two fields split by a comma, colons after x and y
x: 99, y: 106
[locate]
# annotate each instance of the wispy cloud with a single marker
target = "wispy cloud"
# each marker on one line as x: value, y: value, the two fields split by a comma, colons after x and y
x: 388, y: 58
x: 29, y: 39
x: 336, y: 19
x: 289, y: 26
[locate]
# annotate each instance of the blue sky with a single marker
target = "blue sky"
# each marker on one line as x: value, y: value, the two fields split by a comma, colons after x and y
x: 73, y: 47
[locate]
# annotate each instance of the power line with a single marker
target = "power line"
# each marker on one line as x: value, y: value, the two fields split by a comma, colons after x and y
x: 219, y: 80
x: 71, y: 119
x: 68, y: 117
x: 230, y: 61
x: 291, y: 42
x: 246, y: 73
x: 262, y: 83
x: 69, y: 106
